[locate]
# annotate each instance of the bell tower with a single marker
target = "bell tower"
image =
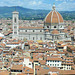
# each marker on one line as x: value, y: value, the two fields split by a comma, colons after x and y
x: 15, y: 20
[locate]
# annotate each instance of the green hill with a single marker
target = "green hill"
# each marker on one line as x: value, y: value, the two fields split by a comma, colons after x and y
x: 28, y: 14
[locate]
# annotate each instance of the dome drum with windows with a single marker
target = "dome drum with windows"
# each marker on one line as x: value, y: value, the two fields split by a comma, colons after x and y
x: 54, y: 17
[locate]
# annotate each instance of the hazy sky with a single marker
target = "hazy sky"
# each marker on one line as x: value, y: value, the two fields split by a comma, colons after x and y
x: 41, y: 4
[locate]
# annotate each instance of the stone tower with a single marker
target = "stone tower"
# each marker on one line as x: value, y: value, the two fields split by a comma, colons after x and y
x: 15, y: 19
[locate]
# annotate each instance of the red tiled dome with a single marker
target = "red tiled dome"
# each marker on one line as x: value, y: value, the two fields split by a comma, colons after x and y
x: 54, y: 17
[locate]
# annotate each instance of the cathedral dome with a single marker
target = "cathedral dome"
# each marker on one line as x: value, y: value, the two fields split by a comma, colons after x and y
x: 54, y: 17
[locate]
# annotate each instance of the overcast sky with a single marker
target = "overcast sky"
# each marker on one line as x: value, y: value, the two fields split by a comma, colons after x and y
x: 61, y: 5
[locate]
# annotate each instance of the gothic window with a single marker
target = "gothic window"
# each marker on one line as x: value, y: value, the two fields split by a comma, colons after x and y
x: 15, y: 20
x: 54, y: 26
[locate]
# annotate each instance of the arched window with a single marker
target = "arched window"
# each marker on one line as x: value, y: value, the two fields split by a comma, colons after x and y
x: 15, y: 20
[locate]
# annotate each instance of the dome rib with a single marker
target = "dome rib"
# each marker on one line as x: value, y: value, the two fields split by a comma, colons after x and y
x: 58, y: 17
x: 48, y: 16
x: 61, y: 20
x: 54, y: 17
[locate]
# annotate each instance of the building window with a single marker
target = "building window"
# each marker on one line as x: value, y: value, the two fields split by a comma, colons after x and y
x: 15, y: 27
x: 40, y: 30
x: 54, y: 26
x: 47, y: 26
x: 66, y: 36
x: 58, y: 61
x: 48, y: 60
x: 33, y: 38
x: 33, y: 31
x: 61, y: 27
x: 58, y: 64
x: 55, y: 64
x: 29, y: 63
x: 15, y: 32
x: 26, y: 30
x: 50, y: 64
x: 40, y: 38
x: 15, y: 20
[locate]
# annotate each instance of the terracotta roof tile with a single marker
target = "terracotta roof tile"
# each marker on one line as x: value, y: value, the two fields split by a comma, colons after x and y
x: 55, y: 31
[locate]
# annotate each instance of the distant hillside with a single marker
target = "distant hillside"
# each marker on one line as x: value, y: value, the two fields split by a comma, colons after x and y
x: 25, y: 13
